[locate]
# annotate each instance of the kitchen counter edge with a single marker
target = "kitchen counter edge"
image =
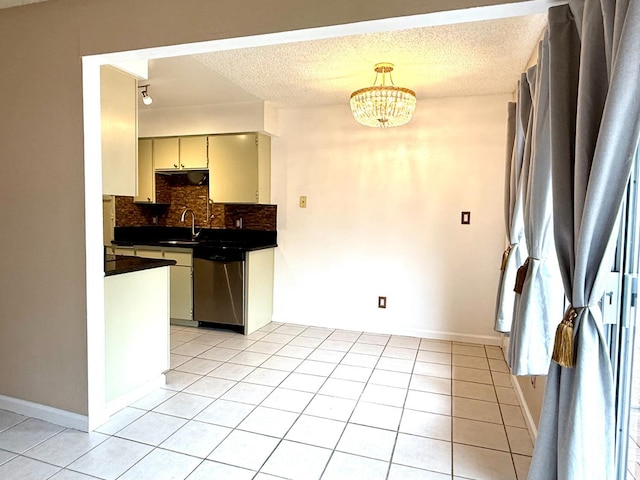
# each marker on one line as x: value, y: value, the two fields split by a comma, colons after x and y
x: 183, y: 246
x: 119, y: 264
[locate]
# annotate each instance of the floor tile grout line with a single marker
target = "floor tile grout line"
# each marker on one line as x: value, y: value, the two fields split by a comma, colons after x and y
x: 452, y: 415
x: 22, y: 454
x: 504, y: 426
x: 141, y: 459
x: 280, y: 439
x: 232, y: 430
x: 72, y: 461
x: 401, y: 415
x: 346, y: 424
x: 283, y: 436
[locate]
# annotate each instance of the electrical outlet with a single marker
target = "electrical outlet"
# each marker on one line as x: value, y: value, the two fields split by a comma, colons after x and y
x: 382, y: 302
x: 303, y: 201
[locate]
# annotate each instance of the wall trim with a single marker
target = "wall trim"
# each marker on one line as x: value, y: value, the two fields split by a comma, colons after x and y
x: 528, y: 418
x: 404, y: 331
x: 118, y: 404
x: 60, y: 417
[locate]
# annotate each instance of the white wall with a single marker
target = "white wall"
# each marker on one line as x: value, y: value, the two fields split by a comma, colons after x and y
x: 383, y: 218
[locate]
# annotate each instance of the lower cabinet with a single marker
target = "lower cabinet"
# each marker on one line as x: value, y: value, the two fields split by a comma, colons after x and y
x: 181, y: 285
x: 181, y: 278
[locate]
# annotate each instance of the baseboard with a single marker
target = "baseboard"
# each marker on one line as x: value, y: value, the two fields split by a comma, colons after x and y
x: 528, y: 418
x: 183, y: 323
x: 453, y: 337
x: 44, y: 412
x: 410, y: 332
x: 135, y: 395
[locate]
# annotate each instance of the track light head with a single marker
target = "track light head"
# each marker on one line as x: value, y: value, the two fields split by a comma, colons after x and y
x: 146, y: 98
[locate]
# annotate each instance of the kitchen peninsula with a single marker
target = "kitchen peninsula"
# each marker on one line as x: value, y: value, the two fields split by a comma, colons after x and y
x: 136, y: 327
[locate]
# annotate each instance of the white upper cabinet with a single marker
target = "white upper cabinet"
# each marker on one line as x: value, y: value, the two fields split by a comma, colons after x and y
x: 193, y: 153
x: 239, y: 164
x: 118, y: 112
x: 180, y: 153
x: 166, y: 153
x: 146, y: 174
x: 239, y: 168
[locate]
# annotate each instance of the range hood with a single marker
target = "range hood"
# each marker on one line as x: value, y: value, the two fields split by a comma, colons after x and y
x: 195, y: 177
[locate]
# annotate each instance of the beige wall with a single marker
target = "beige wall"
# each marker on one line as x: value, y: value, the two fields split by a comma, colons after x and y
x: 42, y: 281
x: 43, y: 304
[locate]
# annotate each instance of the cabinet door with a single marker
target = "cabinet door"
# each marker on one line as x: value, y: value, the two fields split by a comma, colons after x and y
x: 118, y: 114
x: 126, y: 251
x: 264, y: 168
x: 233, y: 168
x: 146, y: 175
x: 181, y: 292
x: 193, y: 152
x: 166, y: 153
x: 144, y: 253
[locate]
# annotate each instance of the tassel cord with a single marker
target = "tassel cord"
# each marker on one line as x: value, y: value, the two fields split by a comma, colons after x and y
x: 564, y: 346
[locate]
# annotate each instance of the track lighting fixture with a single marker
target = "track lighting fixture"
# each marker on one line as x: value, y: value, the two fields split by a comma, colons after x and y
x: 146, y: 99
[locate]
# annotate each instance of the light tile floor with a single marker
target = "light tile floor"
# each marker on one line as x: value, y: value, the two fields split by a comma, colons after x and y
x: 296, y: 402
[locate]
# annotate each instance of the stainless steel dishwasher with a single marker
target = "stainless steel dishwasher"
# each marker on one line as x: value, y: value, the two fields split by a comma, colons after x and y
x: 218, y: 286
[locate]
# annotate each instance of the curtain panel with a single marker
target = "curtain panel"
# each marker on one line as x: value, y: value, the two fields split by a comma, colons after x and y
x: 595, y: 124
x: 516, y: 252
x: 539, y: 303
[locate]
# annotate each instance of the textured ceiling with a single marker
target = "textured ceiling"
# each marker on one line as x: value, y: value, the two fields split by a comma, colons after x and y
x: 477, y: 58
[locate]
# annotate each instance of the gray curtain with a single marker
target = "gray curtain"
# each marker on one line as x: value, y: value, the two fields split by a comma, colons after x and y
x: 539, y: 305
x: 515, y: 254
x: 595, y: 124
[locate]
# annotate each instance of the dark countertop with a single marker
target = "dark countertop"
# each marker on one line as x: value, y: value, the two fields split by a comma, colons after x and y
x: 209, y: 238
x: 117, y: 264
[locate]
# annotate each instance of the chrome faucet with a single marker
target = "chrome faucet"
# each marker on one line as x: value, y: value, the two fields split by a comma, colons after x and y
x: 193, y: 221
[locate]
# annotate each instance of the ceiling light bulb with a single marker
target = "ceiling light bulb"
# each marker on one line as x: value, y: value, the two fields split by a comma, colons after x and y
x: 146, y: 99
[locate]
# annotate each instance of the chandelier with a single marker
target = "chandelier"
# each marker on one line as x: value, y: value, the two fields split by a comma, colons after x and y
x: 383, y: 105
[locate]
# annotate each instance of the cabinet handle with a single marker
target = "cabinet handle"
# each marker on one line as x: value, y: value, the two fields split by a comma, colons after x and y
x: 175, y: 166
x: 182, y: 165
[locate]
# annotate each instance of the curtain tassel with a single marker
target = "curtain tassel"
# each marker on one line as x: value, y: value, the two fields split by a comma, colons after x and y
x: 505, y: 257
x: 563, y: 352
x: 521, y: 276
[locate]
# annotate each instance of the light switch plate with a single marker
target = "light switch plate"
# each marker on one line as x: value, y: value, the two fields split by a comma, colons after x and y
x: 303, y: 201
x: 465, y: 218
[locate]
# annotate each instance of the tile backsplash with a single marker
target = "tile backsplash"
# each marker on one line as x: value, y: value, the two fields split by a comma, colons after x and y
x: 174, y: 193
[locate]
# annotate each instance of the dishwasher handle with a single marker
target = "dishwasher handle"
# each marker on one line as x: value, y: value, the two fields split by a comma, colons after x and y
x: 218, y: 258
x: 225, y: 255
